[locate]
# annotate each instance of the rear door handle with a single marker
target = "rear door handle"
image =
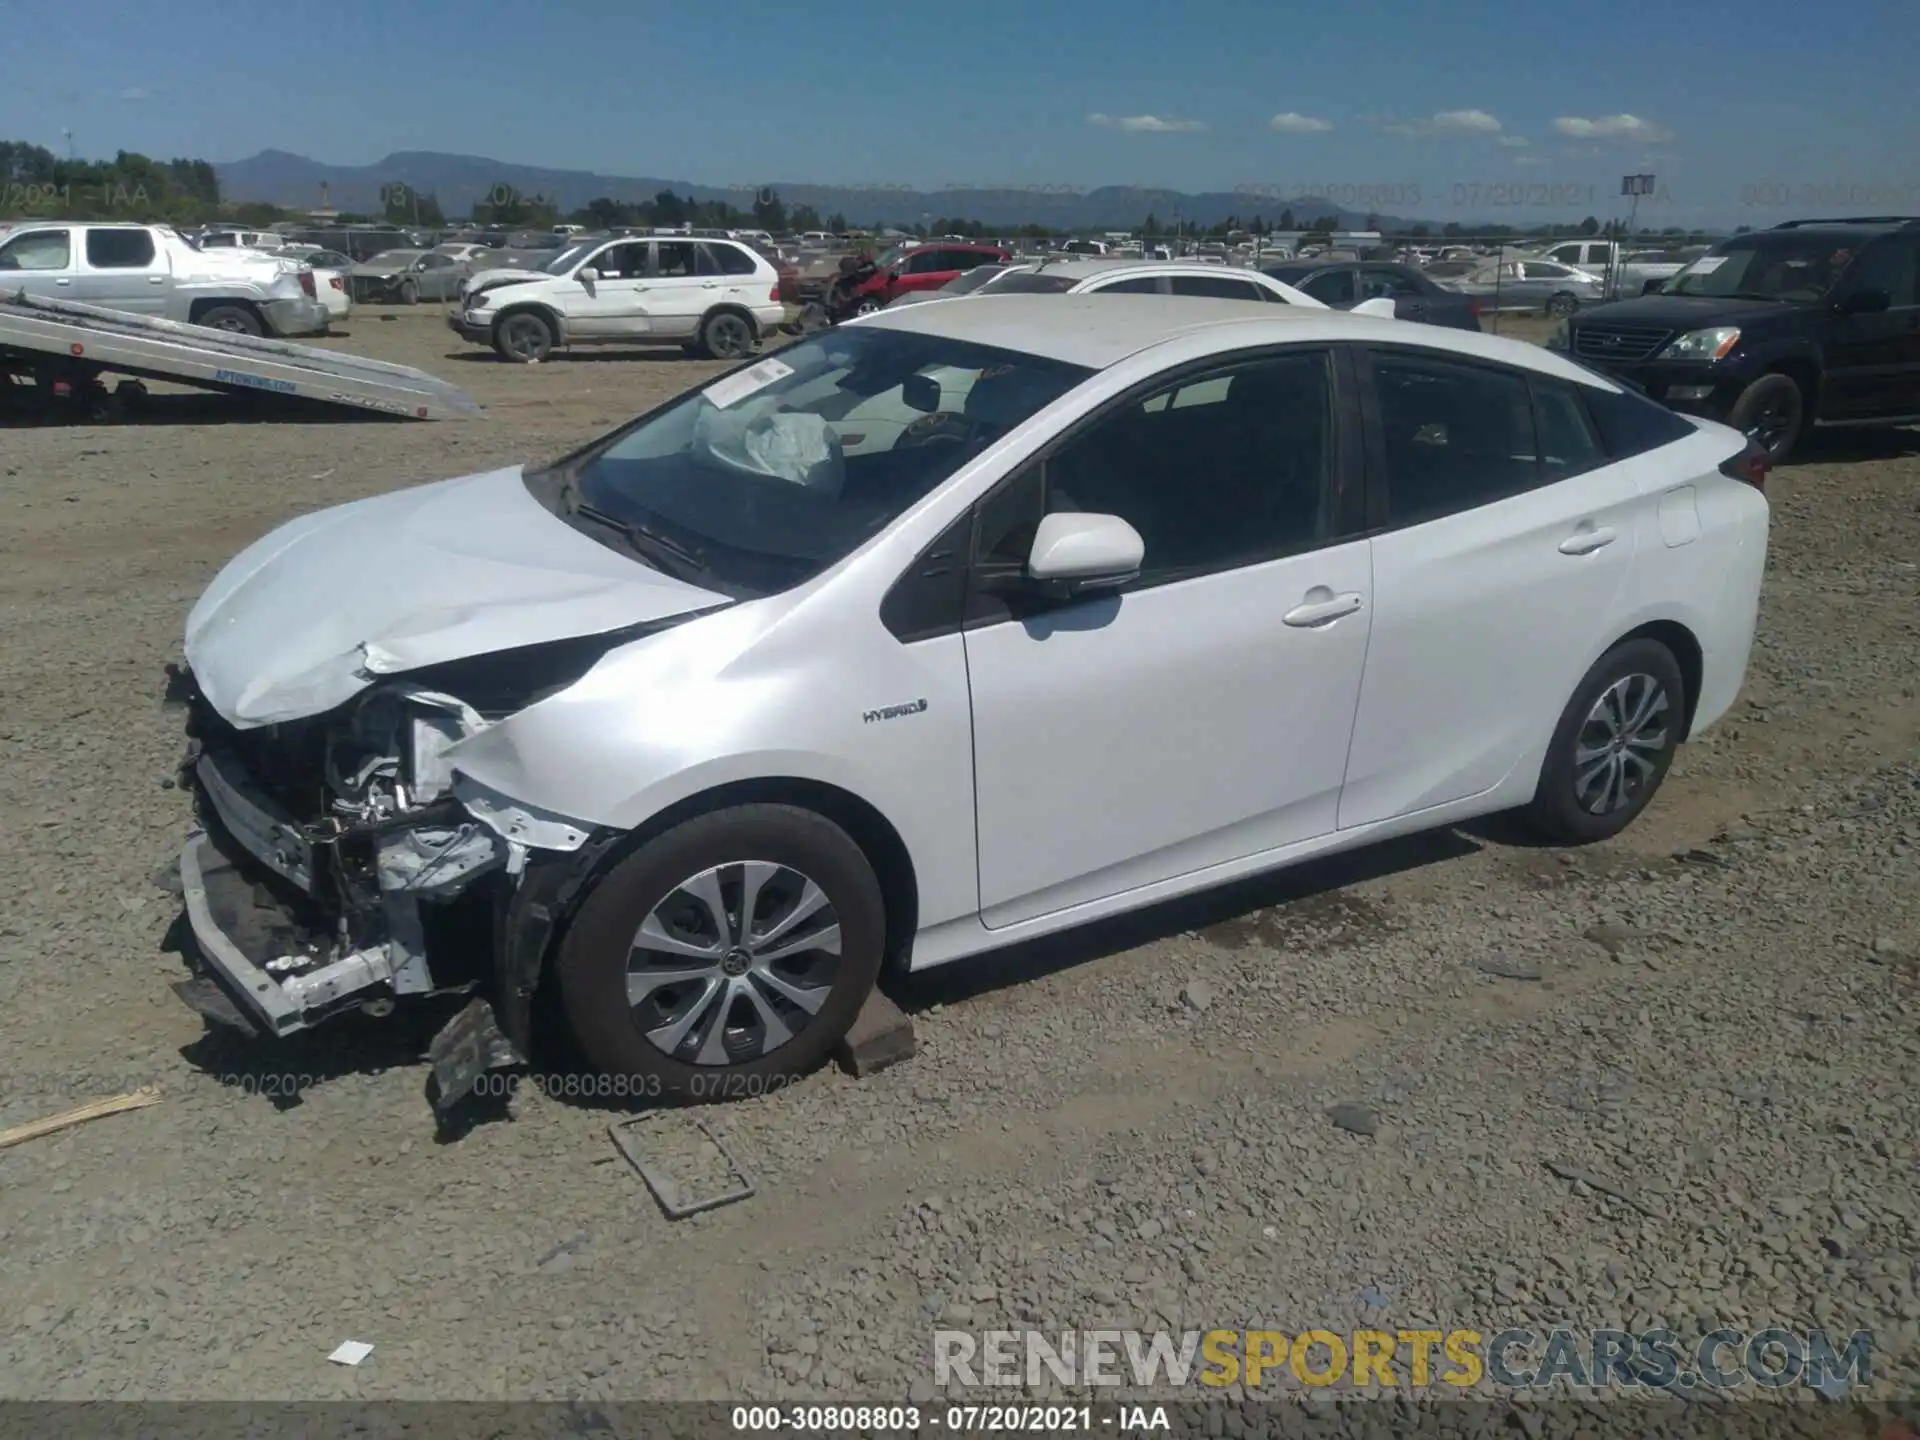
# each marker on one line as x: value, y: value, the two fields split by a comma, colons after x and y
x: 1586, y: 541
x: 709, y: 284
x: 1321, y: 607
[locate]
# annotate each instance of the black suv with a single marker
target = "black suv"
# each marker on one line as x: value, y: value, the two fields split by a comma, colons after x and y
x: 1815, y: 322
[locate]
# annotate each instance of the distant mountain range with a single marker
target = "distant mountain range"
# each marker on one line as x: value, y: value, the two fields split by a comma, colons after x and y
x: 460, y: 181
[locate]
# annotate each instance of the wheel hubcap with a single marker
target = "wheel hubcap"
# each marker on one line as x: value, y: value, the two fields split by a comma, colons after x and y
x: 1773, y: 423
x: 1618, y: 750
x: 733, y: 963
x: 728, y: 337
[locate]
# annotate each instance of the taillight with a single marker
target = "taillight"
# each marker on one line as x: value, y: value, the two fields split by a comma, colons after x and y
x: 1749, y: 467
x: 774, y: 294
x: 306, y: 282
x: 335, y: 282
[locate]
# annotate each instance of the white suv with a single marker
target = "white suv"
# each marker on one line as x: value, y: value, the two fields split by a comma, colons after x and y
x: 714, y: 297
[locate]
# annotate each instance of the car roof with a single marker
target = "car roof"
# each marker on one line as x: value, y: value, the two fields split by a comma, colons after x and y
x: 1088, y: 267
x: 1097, y: 331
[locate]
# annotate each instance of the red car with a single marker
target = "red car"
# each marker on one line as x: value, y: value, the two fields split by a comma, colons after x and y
x: 921, y: 267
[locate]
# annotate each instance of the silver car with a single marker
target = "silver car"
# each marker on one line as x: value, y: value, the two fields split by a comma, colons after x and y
x: 1531, y: 287
x: 408, y: 277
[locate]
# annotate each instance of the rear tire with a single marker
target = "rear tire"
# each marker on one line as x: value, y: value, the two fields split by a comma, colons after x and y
x: 523, y: 337
x: 663, y: 980
x: 1612, y: 747
x: 726, y: 336
x: 1773, y: 411
x: 234, y: 319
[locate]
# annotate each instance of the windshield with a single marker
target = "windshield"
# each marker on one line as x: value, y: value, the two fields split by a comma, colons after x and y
x: 1770, y: 267
x: 973, y: 280
x: 773, y: 473
x: 567, y: 259
x: 895, y: 256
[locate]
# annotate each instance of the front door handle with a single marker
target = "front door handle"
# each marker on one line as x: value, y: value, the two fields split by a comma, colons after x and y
x: 1586, y: 540
x: 1321, y: 607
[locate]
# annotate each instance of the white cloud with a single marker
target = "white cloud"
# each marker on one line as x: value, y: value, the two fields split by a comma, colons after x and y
x: 1146, y: 124
x: 1610, y: 127
x: 1531, y: 160
x: 1292, y: 122
x: 1515, y: 142
x: 136, y: 92
x: 1444, y: 122
x: 1476, y: 122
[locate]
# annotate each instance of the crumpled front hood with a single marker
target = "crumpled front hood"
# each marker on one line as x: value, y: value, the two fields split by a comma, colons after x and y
x: 493, y: 279
x: 306, y: 618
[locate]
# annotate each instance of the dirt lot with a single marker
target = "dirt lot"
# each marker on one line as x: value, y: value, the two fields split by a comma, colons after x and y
x: 1716, y: 1013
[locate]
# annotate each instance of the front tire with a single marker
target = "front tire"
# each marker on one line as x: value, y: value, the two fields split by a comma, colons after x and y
x: 1773, y: 411
x: 868, y: 305
x: 409, y: 293
x: 1562, y: 305
x: 525, y: 337
x: 1613, y: 746
x: 730, y: 953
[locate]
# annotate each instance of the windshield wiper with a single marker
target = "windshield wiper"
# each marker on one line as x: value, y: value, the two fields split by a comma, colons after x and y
x: 650, y: 543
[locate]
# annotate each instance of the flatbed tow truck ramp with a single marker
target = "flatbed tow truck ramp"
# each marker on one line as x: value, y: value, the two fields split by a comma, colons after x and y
x: 57, y: 350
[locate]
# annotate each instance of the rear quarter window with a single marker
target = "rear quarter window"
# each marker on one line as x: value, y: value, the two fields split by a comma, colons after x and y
x: 1631, y: 424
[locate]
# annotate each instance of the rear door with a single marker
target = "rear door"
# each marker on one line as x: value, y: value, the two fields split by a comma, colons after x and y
x: 1392, y: 283
x: 1873, y: 356
x: 1505, y: 548
x: 122, y: 269
x: 40, y: 261
x: 675, y: 295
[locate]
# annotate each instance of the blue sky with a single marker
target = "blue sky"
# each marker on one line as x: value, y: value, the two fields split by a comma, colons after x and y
x: 1744, y: 109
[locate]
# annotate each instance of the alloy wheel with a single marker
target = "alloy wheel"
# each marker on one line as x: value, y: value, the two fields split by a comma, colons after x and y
x: 728, y: 337
x: 733, y: 963
x: 1617, y: 752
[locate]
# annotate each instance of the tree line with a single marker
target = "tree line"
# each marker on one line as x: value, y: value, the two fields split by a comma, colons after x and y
x: 35, y: 183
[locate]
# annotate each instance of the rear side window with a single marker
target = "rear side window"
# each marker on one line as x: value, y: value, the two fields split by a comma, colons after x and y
x: 1456, y: 436
x: 1331, y: 287
x: 725, y: 260
x: 1568, y: 444
x: 1631, y: 424
x: 1220, y: 288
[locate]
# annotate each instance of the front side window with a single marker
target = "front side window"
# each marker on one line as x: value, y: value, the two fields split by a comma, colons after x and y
x: 1889, y: 265
x: 747, y: 486
x: 930, y: 262
x: 1136, y: 285
x: 1456, y: 436
x: 1218, y: 470
x: 1773, y: 265
x: 38, y: 250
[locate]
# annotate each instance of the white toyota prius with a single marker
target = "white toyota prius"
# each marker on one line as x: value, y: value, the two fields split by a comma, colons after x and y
x: 939, y: 631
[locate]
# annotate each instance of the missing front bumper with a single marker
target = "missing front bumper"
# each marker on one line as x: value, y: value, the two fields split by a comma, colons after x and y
x: 224, y: 915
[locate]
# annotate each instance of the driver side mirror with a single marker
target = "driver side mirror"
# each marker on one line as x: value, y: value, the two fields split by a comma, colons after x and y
x: 1865, y: 302
x: 587, y: 276
x: 1076, y: 553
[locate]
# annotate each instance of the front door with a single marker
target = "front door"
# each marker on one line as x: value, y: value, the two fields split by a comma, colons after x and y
x: 1201, y: 714
x: 1497, y: 581
x: 925, y: 268
x: 1873, y: 357
x: 614, y: 301
x: 40, y: 262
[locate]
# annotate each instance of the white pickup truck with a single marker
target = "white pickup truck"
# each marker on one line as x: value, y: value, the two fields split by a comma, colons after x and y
x: 1627, y: 271
x: 151, y: 270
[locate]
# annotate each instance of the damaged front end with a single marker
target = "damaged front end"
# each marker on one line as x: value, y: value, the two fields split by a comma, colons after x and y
x: 341, y: 861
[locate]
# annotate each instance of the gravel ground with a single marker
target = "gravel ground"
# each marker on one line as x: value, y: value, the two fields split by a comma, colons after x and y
x: 1714, y: 1014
